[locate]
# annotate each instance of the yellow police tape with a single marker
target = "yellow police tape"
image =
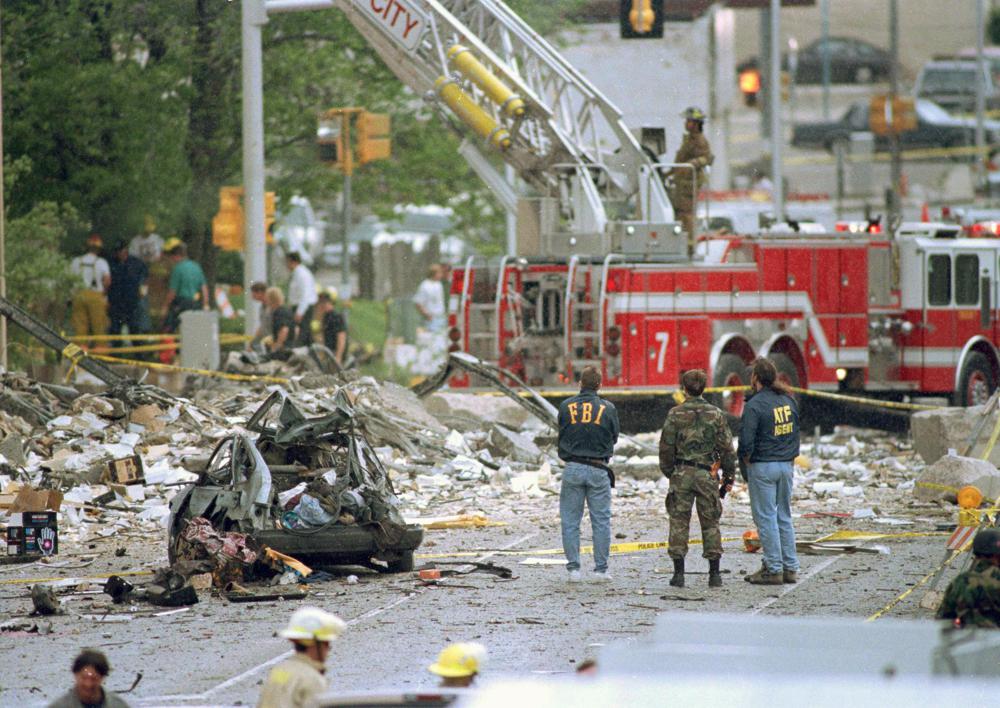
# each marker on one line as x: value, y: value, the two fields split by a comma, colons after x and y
x: 104, y: 576
x: 226, y: 336
x: 189, y: 370
x: 640, y: 546
x: 919, y: 583
x: 915, y: 154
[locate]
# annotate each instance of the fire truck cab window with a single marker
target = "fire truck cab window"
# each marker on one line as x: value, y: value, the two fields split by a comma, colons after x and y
x: 939, y: 280
x: 967, y: 279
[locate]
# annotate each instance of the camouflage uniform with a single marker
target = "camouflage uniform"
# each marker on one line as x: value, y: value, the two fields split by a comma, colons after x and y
x: 694, y: 150
x: 974, y: 596
x: 695, y: 432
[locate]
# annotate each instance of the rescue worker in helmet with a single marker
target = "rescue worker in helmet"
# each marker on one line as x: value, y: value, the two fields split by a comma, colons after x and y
x: 685, y: 182
x: 459, y: 664
x: 973, y: 597
x: 296, y: 681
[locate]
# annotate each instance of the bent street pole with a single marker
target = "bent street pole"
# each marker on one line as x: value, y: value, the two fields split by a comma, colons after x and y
x: 896, y: 164
x: 778, y: 190
x: 254, y: 246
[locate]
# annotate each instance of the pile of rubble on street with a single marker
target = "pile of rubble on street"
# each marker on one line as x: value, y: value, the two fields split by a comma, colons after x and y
x: 239, y: 483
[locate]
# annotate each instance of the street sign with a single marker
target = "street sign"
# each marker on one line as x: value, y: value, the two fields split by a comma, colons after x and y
x: 400, y: 19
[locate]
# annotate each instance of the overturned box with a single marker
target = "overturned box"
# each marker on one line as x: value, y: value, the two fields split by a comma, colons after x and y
x: 126, y: 470
x: 32, y: 533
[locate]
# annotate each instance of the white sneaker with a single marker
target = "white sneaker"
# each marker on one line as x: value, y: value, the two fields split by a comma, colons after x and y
x: 574, y: 576
x: 604, y: 577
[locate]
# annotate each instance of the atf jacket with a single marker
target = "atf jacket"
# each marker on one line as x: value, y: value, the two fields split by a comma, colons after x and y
x: 588, y: 427
x: 770, y: 428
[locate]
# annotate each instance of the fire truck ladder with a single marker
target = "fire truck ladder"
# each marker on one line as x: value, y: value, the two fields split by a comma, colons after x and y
x: 478, y: 311
x: 582, y: 313
x: 506, y: 84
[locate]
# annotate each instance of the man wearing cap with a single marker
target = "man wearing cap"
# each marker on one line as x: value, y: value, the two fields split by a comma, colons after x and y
x: 128, y: 275
x: 89, y: 314
x: 188, y: 289
x: 696, y: 152
x: 299, y: 679
x: 301, y: 298
x: 458, y: 664
x: 973, y: 597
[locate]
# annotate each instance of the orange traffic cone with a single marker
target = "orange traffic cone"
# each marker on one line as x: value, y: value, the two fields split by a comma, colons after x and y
x: 925, y: 213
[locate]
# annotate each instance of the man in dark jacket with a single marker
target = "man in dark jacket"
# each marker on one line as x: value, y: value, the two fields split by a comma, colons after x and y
x: 90, y: 668
x: 588, y: 431
x: 694, y: 438
x: 128, y: 278
x: 769, y: 443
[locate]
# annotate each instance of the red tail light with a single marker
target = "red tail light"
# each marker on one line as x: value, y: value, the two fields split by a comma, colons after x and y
x: 614, y: 332
x: 612, y: 349
x: 454, y: 334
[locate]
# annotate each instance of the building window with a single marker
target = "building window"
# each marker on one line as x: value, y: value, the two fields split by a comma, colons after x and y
x: 939, y: 280
x: 967, y: 279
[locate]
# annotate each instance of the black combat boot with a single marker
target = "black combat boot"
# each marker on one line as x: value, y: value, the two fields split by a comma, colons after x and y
x: 678, y: 580
x: 714, y: 575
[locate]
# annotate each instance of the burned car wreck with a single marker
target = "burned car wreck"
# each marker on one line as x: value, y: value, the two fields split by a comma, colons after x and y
x: 309, y: 488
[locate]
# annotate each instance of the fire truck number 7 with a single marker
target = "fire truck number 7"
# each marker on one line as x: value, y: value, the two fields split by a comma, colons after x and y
x: 663, y: 338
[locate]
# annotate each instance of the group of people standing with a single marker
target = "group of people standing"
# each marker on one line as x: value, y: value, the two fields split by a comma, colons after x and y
x: 144, y: 279
x: 285, y: 324
x: 696, y: 455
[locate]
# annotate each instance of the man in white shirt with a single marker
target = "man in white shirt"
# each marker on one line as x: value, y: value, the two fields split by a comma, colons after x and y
x: 89, y: 313
x: 429, y: 300
x: 301, y: 298
x: 147, y: 246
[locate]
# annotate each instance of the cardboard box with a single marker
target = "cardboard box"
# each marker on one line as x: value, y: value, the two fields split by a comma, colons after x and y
x: 28, y: 499
x: 127, y: 470
x: 32, y: 533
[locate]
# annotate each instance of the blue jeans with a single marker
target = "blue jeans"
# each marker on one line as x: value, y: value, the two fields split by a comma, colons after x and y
x: 771, y: 504
x: 579, y: 483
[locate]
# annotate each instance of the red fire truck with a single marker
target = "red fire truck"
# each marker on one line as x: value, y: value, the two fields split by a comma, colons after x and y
x: 857, y: 312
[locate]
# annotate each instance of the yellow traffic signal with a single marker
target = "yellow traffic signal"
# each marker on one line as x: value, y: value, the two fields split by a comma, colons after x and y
x: 227, y: 225
x: 269, y: 218
x: 886, y: 117
x: 641, y: 16
x: 373, y: 137
x: 330, y: 140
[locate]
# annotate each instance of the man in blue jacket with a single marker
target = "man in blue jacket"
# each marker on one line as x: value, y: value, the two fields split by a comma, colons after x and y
x: 769, y: 443
x: 588, y: 431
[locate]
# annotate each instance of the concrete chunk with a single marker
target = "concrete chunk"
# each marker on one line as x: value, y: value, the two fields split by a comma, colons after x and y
x: 476, y: 412
x: 935, y: 432
x: 513, y: 446
x: 953, y: 472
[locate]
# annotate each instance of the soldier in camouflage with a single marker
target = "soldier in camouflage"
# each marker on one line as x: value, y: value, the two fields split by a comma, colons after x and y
x: 694, y: 438
x: 973, y: 597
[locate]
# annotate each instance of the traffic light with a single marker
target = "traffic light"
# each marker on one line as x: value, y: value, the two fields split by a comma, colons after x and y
x: 227, y: 225
x: 330, y: 140
x: 373, y: 137
x: 641, y: 19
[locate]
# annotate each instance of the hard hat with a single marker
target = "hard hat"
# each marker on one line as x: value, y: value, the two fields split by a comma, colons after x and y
x: 172, y: 243
x: 330, y: 292
x: 95, y: 240
x: 987, y: 543
x: 149, y: 224
x: 457, y: 660
x: 313, y: 624
x: 693, y: 113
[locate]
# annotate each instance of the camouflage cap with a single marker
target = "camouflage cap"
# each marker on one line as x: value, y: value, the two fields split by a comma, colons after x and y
x: 987, y: 543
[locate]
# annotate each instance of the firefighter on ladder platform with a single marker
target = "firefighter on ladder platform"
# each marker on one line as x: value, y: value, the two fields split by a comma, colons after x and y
x: 683, y: 181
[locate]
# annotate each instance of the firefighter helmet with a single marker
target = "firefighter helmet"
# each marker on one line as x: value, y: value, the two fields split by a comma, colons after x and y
x: 694, y: 113
x: 311, y: 624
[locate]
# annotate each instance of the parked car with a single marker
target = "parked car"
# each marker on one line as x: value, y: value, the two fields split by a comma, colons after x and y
x: 951, y: 83
x: 935, y: 128
x: 851, y: 61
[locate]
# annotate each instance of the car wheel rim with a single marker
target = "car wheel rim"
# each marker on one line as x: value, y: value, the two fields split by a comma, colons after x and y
x: 977, y: 391
x: 732, y: 401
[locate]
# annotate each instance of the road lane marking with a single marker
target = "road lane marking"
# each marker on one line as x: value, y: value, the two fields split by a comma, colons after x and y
x: 232, y: 681
x: 814, y: 571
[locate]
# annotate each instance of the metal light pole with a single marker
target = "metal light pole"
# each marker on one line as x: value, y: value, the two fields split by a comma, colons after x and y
x: 3, y: 230
x: 775, y: 101
x: 980, y: 88
x: 896, y: 170
x: 254, y: 245
x: 825, y: 54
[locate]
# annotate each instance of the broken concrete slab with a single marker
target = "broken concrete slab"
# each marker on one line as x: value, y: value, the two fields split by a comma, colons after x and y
x: 952, y: 472
x: 474, y: 412
x: 935, y: 432
x: 514, y: 446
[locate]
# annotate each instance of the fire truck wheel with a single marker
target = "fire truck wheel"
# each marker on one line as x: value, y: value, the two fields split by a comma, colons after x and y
x: 787, y: 373
x: 730, y: 371
x: 976, y: 383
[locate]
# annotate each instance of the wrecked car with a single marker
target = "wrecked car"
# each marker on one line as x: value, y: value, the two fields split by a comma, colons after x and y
x: 310, y: 488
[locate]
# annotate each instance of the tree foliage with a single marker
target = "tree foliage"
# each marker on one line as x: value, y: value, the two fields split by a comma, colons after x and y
x: 129, y: 107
